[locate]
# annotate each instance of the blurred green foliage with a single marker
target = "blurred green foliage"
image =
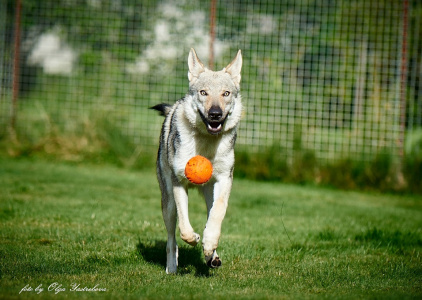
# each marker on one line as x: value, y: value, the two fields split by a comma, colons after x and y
x: 323, y: 71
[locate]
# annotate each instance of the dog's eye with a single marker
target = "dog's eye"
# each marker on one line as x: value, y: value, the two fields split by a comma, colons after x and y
x: 203, y: 93
x: 226, y: 94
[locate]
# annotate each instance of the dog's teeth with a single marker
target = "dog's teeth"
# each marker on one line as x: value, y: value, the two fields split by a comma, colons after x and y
x: 214, y: 128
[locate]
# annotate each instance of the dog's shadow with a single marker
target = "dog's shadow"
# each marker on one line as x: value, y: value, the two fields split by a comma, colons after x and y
x: 190, y: 258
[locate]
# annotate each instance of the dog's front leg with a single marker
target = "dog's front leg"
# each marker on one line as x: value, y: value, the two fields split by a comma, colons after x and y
x: 186, y: 231
x: 217, y: 197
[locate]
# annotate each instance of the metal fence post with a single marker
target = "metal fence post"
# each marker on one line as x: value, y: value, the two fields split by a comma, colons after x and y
x: 212, y: 32
x: 403, y: 79
x: 16, y: 66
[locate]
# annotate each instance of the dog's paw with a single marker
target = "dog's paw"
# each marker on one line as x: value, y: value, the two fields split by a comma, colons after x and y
x: 214, y: 262
x: 192, y: 239
x: 172, y: 259
x: 171, y: 269
x: 196, y: 239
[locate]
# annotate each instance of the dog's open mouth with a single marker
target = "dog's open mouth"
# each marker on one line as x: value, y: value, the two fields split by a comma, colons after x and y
x: 213, y: 127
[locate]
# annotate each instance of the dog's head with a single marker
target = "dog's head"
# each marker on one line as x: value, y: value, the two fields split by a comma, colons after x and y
x: 216, y: 95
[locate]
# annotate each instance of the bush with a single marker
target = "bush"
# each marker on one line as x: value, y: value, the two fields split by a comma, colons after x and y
x: 412, y: 165
x: 90, y: 139
x: 381, y: 173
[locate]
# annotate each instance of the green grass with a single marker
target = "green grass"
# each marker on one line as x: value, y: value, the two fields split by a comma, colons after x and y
x: 101, y: 225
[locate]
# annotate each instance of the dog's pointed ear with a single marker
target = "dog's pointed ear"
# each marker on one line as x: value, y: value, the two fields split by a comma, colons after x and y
x: 196, y: 67
x: 235, y: 67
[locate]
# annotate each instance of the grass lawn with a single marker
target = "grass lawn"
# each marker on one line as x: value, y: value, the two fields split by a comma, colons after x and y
x: 100, y: 226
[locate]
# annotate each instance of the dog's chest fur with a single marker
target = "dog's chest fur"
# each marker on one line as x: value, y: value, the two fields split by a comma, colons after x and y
x: 183, y: 141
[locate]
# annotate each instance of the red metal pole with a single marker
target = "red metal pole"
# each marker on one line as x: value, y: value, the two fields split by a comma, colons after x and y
x: 403, y: 78
x: 16, y: 64
x: 212, y: 33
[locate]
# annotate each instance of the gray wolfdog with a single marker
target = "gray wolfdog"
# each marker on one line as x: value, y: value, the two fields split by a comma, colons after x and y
x: 202, y: 123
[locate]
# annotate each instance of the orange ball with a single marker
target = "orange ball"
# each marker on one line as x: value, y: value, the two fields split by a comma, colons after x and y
x: 198, y: 170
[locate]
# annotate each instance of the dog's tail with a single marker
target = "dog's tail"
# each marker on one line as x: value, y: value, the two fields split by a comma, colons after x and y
x: 163, y: 108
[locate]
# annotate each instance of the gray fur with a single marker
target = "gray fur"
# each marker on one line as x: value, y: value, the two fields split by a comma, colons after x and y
x: 189, y: 129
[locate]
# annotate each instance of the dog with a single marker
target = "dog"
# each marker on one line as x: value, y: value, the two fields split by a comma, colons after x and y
x: 204, y: 122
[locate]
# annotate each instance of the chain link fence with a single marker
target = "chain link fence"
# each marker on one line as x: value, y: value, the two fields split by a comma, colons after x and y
x: 338, y: 78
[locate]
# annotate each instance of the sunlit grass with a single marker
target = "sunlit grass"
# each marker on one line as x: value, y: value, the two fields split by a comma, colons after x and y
x: 101, y: 225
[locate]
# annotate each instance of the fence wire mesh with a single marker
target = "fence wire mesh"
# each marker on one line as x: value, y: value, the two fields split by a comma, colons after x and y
x: 339, y: 78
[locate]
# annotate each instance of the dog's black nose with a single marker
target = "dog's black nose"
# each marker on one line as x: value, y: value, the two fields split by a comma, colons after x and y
x: 215, y: 113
